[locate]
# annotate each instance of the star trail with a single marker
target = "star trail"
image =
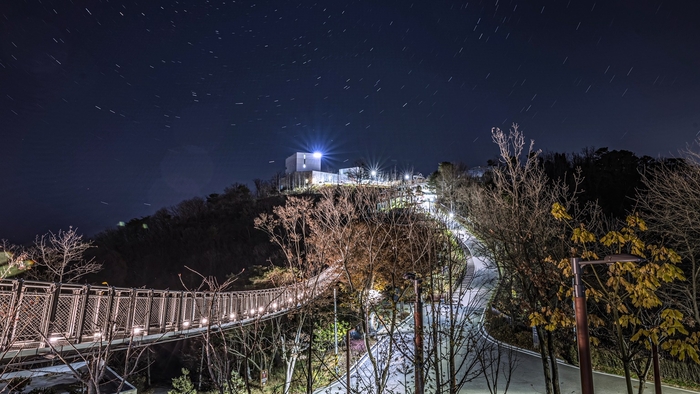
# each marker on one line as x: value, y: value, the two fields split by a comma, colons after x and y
x: 111, y: 110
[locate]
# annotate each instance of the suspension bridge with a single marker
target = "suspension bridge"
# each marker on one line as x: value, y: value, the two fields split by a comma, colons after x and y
x: 39, y: 318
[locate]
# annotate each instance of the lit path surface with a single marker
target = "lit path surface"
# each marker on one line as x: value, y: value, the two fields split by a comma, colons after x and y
x: 37, y: 318
x: 528, y: 376
x: 469, y: 298
x: 472, y: 297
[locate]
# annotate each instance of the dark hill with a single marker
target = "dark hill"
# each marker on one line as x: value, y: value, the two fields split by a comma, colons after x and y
x: 213, y: 236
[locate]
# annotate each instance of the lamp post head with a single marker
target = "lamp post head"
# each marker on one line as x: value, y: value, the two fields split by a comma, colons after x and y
x: 623, y: 258
x: 413, y: 276
x: 615, y: 258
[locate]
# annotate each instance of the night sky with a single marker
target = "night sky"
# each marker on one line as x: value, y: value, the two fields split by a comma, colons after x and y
x: 110, y: 110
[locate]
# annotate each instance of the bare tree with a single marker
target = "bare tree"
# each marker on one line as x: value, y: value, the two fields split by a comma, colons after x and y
x: 447, y: 180
x: 513, y: 221
x: 60, y: 257
x: 215, y: 344
x: 359, y: 174
x: 458, y: 352
x: 497, y: 363
x: 13, y: 260
x: 293, y: 228
x: 374, y: 243
x: 91, y: 366
x: 671, y: 207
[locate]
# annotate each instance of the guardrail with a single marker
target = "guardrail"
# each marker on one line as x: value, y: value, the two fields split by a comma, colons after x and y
x: 40, y: 317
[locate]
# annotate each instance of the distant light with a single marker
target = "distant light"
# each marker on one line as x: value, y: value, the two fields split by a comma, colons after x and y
x: 318, y: 155
x: 374, y: 173
x: 406, y: 177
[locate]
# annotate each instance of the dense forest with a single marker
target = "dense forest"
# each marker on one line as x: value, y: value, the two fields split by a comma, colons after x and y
x: 610, y: 177
x: 212, y: 235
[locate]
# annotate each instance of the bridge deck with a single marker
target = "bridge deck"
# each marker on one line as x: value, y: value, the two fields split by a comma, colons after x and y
x: 38, y: 317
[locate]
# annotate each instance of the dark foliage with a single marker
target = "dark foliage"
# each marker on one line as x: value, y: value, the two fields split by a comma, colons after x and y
x: 610, y: 177
x: 213, y: 236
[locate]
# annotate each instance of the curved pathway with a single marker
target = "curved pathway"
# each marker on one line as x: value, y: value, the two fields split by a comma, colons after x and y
x: 528, y: 376
x: 473, y: 294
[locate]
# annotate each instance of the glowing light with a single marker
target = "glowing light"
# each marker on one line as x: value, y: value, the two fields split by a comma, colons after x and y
x: 318, y: 155
x: 97, y: 335
x: 274, y: 305
x: 137, y: 331
x: 374, y: 173
x: 54, y: 339
x: 233, y: 316
x: 185, y: 324
x: 374, y: 295
x: 406, y: 177
x: 261, y: 309
x: 252, y: 311
x: 205, y: 320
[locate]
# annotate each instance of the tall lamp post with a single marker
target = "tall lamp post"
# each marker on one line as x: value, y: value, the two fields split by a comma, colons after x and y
x: 335, y: 325
x: 417, y: 332
x: 582, y: 337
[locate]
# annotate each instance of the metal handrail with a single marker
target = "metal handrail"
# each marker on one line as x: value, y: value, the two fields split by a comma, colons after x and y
x: 40, y: 317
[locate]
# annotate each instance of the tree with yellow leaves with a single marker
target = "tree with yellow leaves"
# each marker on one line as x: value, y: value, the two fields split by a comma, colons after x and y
x: 511, y: 217
x: 627, y: 312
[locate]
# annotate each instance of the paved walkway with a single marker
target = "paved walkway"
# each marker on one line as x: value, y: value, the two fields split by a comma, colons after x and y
x: 528, y: 376
x: 473, y: 293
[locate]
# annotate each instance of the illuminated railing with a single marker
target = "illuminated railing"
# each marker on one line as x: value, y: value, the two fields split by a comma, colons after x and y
x: 40, y: 317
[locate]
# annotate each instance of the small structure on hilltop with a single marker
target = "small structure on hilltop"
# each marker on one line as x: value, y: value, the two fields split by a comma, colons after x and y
x: 303, y: 169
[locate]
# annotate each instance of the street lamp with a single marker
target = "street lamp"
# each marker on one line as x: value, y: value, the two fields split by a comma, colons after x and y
x: 417, y: 332
x: 335, y: 325
x: 582, y: 338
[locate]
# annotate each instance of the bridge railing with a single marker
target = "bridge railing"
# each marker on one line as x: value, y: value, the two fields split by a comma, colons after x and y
x: 36, y: 315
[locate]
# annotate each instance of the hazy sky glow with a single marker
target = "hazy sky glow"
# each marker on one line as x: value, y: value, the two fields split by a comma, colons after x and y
x: 110, y: 110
